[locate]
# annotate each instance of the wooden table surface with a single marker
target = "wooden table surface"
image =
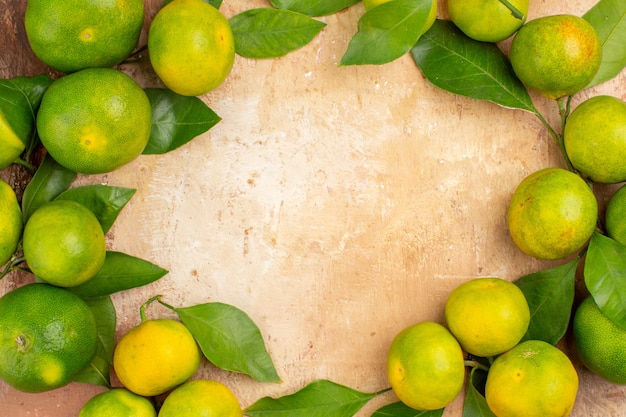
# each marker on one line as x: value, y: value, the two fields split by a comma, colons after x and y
x: 335, y: 205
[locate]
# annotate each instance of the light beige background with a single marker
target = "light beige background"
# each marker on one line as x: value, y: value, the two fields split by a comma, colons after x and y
x: 335, y: 205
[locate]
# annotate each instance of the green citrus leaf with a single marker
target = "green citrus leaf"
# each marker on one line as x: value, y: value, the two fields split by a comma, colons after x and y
x: 214, y: 3
x: 387, y: 32
x: 120, y: 272
x: 475, y: 404
x: 608, y: 17
x: 272, y: 33
x: 605, y: 276
x: 19, y: 100
x: 176, y: 120
x: 320, y: 398
x: 98, y: 371
x: 399, y: 409
x: 479, y: 70
x: 229, y: 339
x: 106, y: 202
x: 50, y: 180
x: 313, y: 7
x: 550, y: 296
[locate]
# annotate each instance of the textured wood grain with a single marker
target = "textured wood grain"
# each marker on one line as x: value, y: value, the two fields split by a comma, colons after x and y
x: 335, y: 205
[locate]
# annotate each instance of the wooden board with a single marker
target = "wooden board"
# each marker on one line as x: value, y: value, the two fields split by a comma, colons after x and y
x: 335, y: 205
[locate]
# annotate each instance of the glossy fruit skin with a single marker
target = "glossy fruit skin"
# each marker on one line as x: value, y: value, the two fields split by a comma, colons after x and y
x: 487, y: 20
x: 192, y: 48
x: 156, y: 356
x: 552, y: 214
x: 556, y: 55
x: 615, y: 216
x: 487, y: 316
x: 600, y: 343
x: 47, y: 336
x: 70, y: 35
x: 425, y: 366
x: 94, y: 121
x: 201, y: 397
x: 532, y: 379
x: 64, y: 243
x: 11, y: 146
x: 11, y: 224
x: 595, y: 139
x: 118, y: 402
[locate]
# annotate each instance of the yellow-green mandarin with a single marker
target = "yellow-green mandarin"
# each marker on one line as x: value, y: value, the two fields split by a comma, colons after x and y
x: 556, y: 55
x: 64, y: 243
x: 532, y: 379
x: 71, y: 35
x: 615, y: 216
x: 10, y: 224
x: 156, y: 356
x: 425, y: 366
x: 192, y: 48
x: 487, y: 316
x: 595, y: 139
x: 201, y: 397
x: 118, y: 402
x: 47, y: 336
x: 95, y: 120
x: 600, y: 343
x: 552, y: 214
x: 11, y: 146
x: 487, y: 20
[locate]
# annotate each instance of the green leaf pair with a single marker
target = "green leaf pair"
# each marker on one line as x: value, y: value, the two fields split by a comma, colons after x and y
x: 479, y: 70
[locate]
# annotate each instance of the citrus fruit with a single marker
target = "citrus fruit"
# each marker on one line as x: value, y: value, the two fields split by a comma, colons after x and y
x: 487, y: 315
x: 425, y: 366
x: 532, y: 379
x: 47, y: 336
x: 552, y: 214
x: 11, y: 146
x: 615, y: 216
x: 95, y: 120
x: 556, y: 55
x: 487, y: 20
x: 192, y: 48
x: 595, y: 139
x: 601, y: 344
x: 430, y: 20
x: 71, y: 35
x: 201, y: 397
x: 118, y: 402
x: 156, y: 356
x: 64, y: 243
x: 11, y: 223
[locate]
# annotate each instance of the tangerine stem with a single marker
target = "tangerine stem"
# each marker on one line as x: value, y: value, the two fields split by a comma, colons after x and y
x: 514, y: 11
x: 11, y: 265
x: 142, y: 309
x: 163, y: 303
x: 475, y: 364
x: 24, y: 163
x: 551, y: 131
x: 564, y: 113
